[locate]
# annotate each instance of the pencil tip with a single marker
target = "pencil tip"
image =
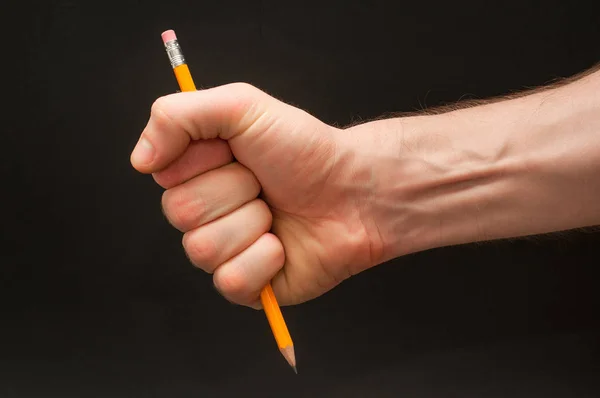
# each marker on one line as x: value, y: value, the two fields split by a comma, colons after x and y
x: 295, y: 370
x: 290, y: 357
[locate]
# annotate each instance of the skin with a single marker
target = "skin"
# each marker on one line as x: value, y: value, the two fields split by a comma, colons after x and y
x: 263, y: 191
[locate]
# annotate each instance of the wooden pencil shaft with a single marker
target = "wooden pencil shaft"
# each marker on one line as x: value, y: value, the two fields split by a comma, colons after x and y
x: 275, y: 317
x: 267, y: 296
x: 184, y: 78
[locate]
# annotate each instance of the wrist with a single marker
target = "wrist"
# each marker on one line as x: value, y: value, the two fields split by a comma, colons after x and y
x: 431, y: 182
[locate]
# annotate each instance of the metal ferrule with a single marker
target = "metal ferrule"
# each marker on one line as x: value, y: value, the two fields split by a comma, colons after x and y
x: 175, y: 54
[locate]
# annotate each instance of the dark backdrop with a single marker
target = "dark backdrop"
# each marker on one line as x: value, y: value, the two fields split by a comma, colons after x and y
x: 97, y: 297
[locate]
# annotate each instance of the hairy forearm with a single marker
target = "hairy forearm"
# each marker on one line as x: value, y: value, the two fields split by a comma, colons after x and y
x: 522, y: 166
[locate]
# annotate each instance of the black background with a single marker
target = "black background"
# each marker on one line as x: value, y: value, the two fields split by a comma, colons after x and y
x: 97, y: 297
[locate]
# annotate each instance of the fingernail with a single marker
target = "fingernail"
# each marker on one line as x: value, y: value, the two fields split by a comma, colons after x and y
x: 143, y: 152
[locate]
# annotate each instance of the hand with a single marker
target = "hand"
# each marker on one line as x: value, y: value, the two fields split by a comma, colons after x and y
x: 261, y: 190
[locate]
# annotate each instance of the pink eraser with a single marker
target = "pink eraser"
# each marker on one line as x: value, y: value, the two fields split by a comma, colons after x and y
x: 168, y: 35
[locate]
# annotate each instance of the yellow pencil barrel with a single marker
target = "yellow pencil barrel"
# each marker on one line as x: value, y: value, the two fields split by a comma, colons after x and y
x: 267, y: 296
x: 184, y: 78
x: 275, y: 317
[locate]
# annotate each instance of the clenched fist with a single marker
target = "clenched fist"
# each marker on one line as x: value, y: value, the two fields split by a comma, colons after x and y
x: 262, y: 191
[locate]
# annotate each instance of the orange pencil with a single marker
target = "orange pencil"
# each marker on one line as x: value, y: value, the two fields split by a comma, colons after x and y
x: 267, y: 297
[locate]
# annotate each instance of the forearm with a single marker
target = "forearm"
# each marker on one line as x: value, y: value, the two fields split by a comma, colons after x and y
x: 523, y: 166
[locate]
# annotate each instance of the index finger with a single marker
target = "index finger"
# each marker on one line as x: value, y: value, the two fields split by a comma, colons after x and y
x: 176, y: 119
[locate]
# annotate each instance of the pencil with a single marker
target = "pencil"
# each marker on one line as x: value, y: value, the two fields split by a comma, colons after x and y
x: 267, y: 296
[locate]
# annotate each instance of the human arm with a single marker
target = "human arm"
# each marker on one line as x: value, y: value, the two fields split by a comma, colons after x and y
x: 263, y: 191
x: 508, y: 168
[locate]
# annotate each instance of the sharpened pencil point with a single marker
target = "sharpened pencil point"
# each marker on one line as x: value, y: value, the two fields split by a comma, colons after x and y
x: 290, y: 357
x: 295, y: 370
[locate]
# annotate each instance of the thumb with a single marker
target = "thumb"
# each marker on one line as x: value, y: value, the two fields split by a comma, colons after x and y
x: 235, y: 111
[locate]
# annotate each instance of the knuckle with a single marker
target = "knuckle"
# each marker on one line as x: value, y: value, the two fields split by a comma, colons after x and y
x: 241, y: 176
x: 158, y: 112
x: 232, y: 285
x: 273, y: 249
x: 247, y: 177
x: 276, y: 251
x: 247, y: 105
x: 262, y: 205
x: 264, y: 211
x: 279, y: 257
x: 161, y: 114
x: 245, y: 88
x: 201, y: 252
x: 179, y: 208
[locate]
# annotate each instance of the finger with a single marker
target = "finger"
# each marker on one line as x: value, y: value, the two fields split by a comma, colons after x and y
x: 241, y: 279
x: 198, y: 158
x: 229, y: 111
x: 215, y: 243
x: 209, y: 196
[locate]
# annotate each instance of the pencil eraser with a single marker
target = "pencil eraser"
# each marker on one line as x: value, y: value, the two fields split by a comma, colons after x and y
x: 168, y: 35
